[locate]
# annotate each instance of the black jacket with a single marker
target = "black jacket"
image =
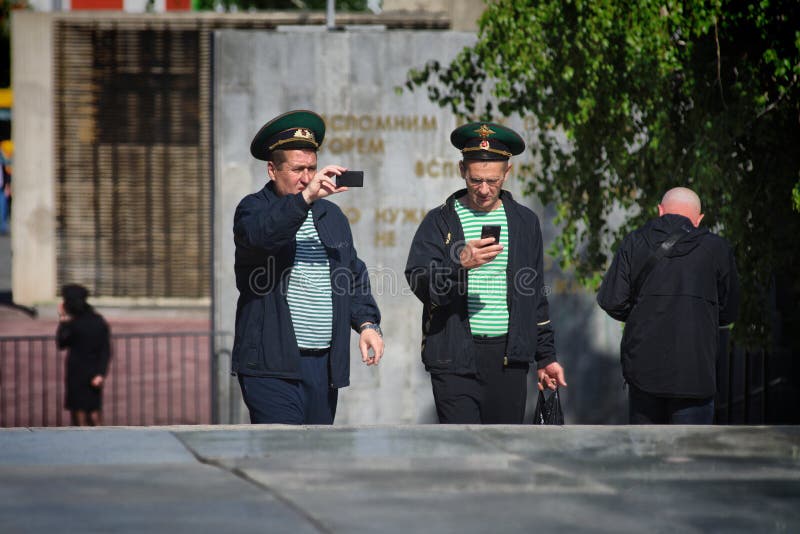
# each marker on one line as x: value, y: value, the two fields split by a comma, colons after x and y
x: 437, y: 278
x: 88, y: 339
x: 264, y: 229
x: 669, y: 345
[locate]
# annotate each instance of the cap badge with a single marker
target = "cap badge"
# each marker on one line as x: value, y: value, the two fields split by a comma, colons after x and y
x: 303, y: 133
x: 484, y: 145
x: 484, y: 131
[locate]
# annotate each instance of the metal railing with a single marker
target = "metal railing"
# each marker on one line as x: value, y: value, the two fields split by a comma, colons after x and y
x: 744, y: 389
x: 153, y: 379
x: 184, y: 378
x: 754, y: 386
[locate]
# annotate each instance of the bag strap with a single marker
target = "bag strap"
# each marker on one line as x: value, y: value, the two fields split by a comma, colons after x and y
x: 654, y: 258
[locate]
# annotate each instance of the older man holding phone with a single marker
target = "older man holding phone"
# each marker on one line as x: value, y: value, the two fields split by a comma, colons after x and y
x: 476, y: 265
x: 302, y: 287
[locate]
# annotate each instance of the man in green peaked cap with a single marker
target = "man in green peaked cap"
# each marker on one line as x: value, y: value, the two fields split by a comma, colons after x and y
x: 302, y: 287
x: 476, y: 265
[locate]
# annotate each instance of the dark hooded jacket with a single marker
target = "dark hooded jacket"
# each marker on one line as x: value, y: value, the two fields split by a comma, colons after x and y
x: 438, y: 279
x: 669, y: 344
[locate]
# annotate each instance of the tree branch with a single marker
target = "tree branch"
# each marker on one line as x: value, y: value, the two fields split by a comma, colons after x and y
x: 719, y: 66
x: 776, y: 102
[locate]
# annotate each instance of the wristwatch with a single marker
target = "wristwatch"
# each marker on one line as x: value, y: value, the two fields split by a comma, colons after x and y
x: 372, y: 326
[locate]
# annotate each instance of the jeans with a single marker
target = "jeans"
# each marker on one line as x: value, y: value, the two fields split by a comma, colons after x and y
x: 308, y: 401
x: 647, y: 409
x: 3, y: 212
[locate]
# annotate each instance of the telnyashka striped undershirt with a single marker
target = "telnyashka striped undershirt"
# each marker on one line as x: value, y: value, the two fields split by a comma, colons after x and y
x: 486, y: 285
x: 309, y: 293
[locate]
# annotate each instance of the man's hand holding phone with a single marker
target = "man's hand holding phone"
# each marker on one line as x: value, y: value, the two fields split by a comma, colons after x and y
x: 331, y: 180
x: 323, y: 184
x: 481, y: 251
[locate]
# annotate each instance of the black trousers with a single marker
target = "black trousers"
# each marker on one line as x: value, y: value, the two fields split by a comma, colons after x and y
x: 648, y: 409
x: 496, y: 395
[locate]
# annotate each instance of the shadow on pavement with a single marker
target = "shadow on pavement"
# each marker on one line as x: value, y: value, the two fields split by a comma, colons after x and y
x: 7, y: 300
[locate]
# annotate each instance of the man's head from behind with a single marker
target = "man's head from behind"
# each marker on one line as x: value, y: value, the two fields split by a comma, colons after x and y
x: 681, y: 201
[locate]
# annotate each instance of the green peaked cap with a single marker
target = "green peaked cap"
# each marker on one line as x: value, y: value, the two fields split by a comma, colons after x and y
x: 487, y: 141
x: 292, y: 130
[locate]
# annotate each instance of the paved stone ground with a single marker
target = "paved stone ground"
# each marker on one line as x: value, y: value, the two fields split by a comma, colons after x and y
x: 402, y: 479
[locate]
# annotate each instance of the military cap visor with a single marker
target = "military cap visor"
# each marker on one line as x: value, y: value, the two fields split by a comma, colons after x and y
x: 487, y: 141
x: 299, y: 129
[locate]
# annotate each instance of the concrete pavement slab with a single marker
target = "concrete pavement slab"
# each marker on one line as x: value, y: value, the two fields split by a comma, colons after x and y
x: 513, y: 479
x: 138, y: 498
x: 86, y: 446
x: 418, y: 478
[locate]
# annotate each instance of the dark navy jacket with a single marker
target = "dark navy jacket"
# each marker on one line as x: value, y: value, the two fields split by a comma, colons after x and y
x: 437, y: 278
x: 669, y: 345
x: 264, y: 230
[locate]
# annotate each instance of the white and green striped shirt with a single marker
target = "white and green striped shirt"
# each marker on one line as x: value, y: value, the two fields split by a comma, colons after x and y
x: 486, y: 285
x: 309, y: 293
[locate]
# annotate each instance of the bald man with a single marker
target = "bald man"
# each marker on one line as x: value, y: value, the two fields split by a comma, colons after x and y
x: 674, y: 284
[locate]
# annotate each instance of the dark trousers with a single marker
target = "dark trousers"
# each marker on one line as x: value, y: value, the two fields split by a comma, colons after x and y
x: 308, y: 401
x: 647, y: 409
x: 496, y: 395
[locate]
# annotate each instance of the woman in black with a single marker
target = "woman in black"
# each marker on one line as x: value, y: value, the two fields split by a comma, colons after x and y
x: 86, y: 334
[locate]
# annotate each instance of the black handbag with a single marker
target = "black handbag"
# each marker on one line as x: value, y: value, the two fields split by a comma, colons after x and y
x: 548, y: 409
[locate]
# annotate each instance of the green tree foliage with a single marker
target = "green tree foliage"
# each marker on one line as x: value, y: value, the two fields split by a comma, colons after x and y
x: 796, y: 196
x: 284, y: 5
x: 650, y: 95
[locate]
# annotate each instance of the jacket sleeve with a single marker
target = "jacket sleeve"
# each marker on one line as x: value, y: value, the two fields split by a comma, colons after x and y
x: 728, y: 290
x: 433, y: 270
x: 545, y: 336
x: 104, y: 355
x: 268, y: 226
x: 363, y: 308
x: 64, y: 335
x: 614, y: 295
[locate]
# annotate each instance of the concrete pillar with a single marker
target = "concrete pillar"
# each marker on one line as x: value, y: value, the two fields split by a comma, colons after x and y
x: 33, y: 245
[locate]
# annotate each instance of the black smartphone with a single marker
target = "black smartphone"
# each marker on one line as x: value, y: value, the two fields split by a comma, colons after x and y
x: 350, y: 179
x: 491, y: 230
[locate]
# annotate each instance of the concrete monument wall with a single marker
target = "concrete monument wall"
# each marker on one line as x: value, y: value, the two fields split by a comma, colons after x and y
x: 401, y: 141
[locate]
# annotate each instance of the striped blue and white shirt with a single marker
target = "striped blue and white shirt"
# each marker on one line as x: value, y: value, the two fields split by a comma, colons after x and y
x: 309, y: 292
